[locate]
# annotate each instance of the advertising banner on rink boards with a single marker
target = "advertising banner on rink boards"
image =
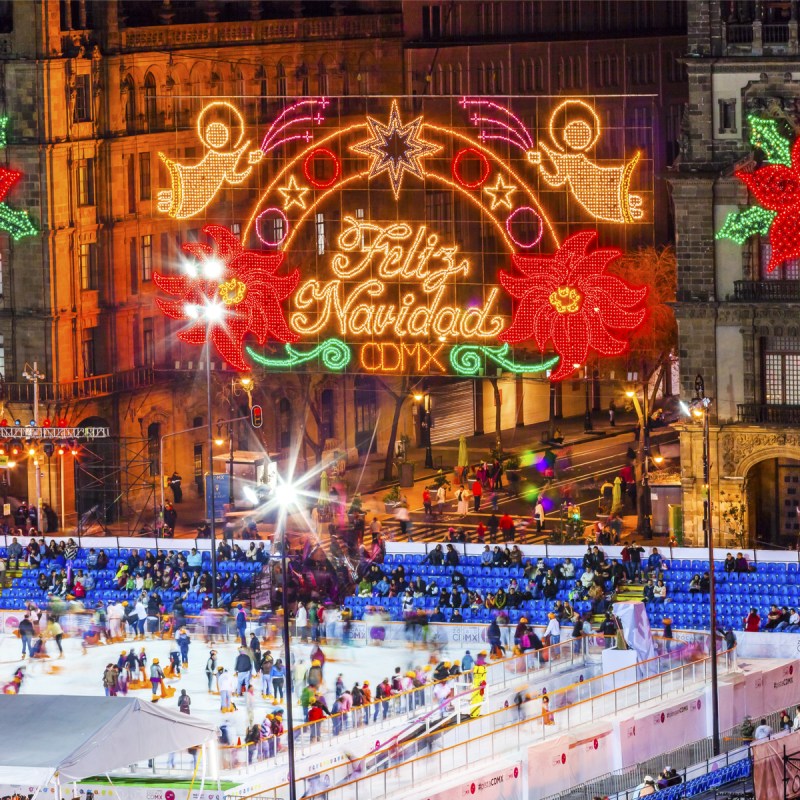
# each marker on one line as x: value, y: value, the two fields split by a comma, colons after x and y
x: 504, y: 783
x: 548, y: 767
x: 632, y: 742
x: 781, y: 685
x: 591, y: 754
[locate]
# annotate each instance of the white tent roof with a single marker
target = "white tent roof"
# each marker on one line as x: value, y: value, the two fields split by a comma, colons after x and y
x: 78, y: 737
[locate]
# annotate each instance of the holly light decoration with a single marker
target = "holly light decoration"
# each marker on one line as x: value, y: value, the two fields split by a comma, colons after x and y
x: 14, y: 221
x: 228, y: 292
x: 569, y: 299
x: 776, y: 187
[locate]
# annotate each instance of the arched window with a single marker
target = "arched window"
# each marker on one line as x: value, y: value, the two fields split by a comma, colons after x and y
x: 129, y: 99
x: 263, y: 93
x: 238, y: 83
x: 280, y: 80
x: 323, y: 83
x: 538, y: 74
x: 302, y: 80
x: 284, y: 423
x: 215, y: 84
x: 150, y: 102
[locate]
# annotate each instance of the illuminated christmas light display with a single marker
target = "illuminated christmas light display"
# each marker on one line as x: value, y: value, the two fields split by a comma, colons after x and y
x: 382, y: 289
x: 15, y: 222
x: 249, y: 289
x: 293, y: 194
x: 395, y: 148
x: 776, y: 187
x: 569, y: 300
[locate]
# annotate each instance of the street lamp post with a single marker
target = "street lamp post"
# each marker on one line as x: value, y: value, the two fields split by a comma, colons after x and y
x: 587, y: 417
x: 210, y: 488
x: 287, y: 655
x: 701, y: 407
x: 645, y: 501
x: 34, y: 376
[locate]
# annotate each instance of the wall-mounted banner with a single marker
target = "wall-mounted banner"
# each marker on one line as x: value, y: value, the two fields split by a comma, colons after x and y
x: 429, y: 236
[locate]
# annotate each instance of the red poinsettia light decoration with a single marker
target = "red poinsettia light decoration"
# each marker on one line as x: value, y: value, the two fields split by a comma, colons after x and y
x: 227, y: 293
x: 568, y: 298
x: 777, y: 188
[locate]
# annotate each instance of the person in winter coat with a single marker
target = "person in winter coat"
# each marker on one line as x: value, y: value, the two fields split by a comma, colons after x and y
x: 183, y: 644
x: 244, y: 670
x: 278, y: 678
x: 226, y: 685
x: 211, y: 668
x: 184, y: 702
x: 157, y: 680
x: 265, y: 667
x: 315, y: 674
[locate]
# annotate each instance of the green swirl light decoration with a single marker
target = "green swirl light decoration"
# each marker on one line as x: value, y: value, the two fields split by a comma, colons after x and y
x: 334, y: 353
x: 466, y: 359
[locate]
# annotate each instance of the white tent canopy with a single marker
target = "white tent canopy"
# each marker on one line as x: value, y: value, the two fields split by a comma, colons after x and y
x: 77, y: 737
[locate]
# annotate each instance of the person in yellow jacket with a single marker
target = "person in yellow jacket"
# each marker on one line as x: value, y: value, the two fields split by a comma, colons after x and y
x: 478, y: 696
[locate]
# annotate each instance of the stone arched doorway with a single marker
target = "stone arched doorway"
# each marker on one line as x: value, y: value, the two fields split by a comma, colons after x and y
x: 771, y: 490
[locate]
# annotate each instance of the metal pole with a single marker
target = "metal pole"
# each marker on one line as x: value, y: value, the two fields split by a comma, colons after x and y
x: 647, y: 522
x: 210, y: 487
x: 161, y: 471
x: 63, y: 518
x: 712, y: 591
x: 287, y: 655
x: 587, y: 420
x: 230, y: 468
x: 36, y: 459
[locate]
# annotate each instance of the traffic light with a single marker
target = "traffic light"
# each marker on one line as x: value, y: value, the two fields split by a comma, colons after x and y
x: 48, y: 448
x: 257, y: 416
x: 16, y: 447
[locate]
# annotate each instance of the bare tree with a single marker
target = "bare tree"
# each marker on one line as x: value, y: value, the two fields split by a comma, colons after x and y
x: 498, y: 435
x: 399, y: 397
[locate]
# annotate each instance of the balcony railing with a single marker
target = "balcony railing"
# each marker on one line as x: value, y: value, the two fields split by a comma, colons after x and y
x: 80, y: 389
x: 767, y: 414
x: 739, y: 33
x: 276, y: 30
x: 767, y: 291
x: 776, y: 34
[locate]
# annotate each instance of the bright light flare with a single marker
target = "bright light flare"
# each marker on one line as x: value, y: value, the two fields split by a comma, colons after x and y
x: 213, y: 269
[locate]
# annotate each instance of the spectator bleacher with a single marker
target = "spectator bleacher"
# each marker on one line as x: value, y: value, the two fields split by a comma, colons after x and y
x: 25, y: 588
x: 737, y: 592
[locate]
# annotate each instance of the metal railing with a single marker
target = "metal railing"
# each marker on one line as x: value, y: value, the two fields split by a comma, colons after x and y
x: 507, y: 728
x: 775, y: 33
x: 768, y: 414
x: 766, y: 291
x: 80, y: 388
x: 739, y: 33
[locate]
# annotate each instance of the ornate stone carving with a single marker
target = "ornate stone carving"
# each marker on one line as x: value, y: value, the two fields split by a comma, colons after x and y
x: 736, y: 446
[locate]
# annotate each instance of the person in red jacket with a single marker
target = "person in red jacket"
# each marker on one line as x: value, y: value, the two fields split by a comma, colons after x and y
x: 477, y: 492
x: 752, y: 622
x: 315, y: 716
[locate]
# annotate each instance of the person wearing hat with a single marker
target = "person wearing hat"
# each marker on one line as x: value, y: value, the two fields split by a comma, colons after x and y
x: 648, y: 787
x: 315, y: 673
x: 552, y: 633
x: 157, y: 680
x: 211, y: 668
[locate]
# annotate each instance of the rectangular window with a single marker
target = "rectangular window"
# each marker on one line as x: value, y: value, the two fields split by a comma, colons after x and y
x: 130, y: 172
x: 146, y: 259
x: 788, y: 270
x: 782, y: 371
x: 86, y: 182
x: 87, y: 258
x: 88, y: 351
x: 727, y: 116
x: 144, y: 176
x: 439, y: 210
x: 198, y: 464
x: 148, y: 342
x: 133, y: 265
x: 83, y: 99
x: 2, y: 358
x: 164, y: 254
x: 320, y: 220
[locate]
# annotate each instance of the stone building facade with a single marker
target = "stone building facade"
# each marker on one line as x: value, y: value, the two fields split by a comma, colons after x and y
x: 738, y: 322
x: 94, y: 90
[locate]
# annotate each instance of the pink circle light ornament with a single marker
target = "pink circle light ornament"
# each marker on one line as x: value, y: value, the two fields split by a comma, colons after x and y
x: 518, y: 242
x: 285, y: 233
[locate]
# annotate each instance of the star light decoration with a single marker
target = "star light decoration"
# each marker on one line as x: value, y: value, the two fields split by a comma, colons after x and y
x: 293, y: 194
x: 568, y: 298
x: 500, y: 193
x: 395, y: 148
x: 227, y: 293
x: 776, y: 187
